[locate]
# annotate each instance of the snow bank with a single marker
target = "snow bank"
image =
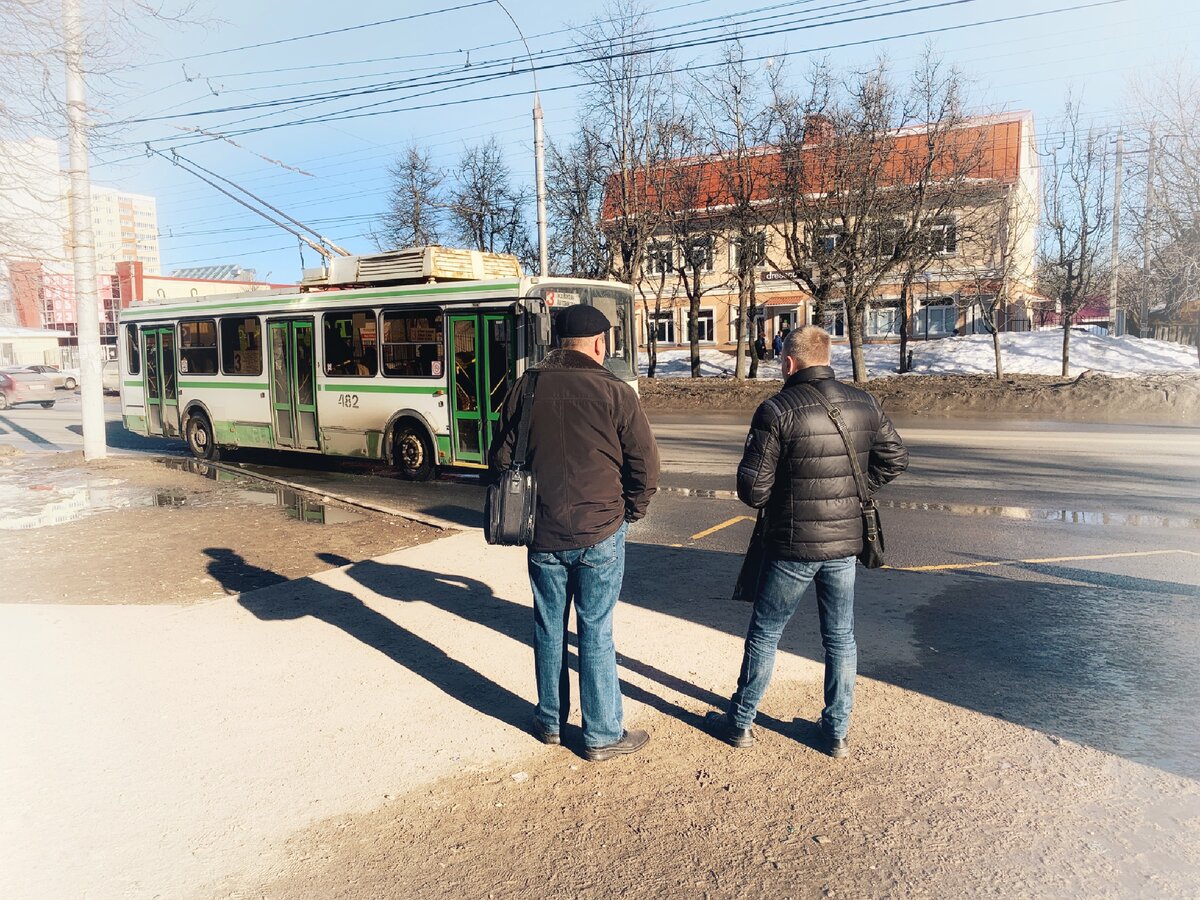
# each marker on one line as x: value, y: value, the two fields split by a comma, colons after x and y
x: 1034, y: 353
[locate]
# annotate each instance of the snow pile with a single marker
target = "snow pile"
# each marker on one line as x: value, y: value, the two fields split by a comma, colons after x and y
x: 1033, y: 353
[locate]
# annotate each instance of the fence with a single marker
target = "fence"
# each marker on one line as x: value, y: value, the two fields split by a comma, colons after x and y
x: 1177, y: 333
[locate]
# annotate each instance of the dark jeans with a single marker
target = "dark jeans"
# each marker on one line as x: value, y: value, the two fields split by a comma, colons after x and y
x: 591, y: 577
x: 780, y: 588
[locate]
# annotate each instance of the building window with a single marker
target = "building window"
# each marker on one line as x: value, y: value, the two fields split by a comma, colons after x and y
x: 735, y: 329
x: 198, y: 347
x: 133, y: 356
x: 833, y: 321
x: 753, y: 245
x: 938, y: 318
x: 826, y: 241
x: 883, y: 319
x: 662, y: 326
x: 698, y: 253
x: 351, y: 349
x: 412, y: 344
x: 943, y: 237
x: 660, y: 258
x: 241, y: 346
x: 884, y: 238
x: 704, y: 327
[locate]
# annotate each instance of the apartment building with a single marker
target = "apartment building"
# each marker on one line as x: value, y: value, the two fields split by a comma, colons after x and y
x: 126, y: 230
x: 987, y: 237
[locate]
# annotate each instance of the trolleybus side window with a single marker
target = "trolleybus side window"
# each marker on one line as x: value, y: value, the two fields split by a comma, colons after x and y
x: 133, y: 354
x: 351, y: 349
x: 412, y: 344
x: 198, y: 346
x: 241, y: 346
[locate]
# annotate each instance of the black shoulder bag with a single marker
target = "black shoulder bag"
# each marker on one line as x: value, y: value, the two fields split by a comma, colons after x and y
x: 871, y: 555
x: 508, y: 508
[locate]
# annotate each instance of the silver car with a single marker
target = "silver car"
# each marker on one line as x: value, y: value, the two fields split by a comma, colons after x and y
x: 25, y: 387
x: 67, y: 379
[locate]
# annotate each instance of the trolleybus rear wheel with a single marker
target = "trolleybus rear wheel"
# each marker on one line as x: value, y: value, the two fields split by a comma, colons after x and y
x: 412, y: 453
x: 200, y: 440
x: 47, y: 404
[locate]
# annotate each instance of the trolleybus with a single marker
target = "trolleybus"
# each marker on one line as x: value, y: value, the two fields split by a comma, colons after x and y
x: 403, y: 356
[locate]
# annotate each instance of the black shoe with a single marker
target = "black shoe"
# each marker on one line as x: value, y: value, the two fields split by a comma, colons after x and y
x: 630, y: 742
x: 719, y: 726
x: 546, y: 737
x: 838, y: 748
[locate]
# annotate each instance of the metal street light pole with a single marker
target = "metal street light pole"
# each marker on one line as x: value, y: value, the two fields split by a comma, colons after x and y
x: 539, y: 161
x: 83, y: 245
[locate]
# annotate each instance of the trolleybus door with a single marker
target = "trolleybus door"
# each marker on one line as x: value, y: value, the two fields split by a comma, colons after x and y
x: 293, y: 383
x: 162, y: 390
x: 482, y: 347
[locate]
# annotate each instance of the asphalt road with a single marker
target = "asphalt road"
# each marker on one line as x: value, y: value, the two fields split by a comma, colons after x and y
x: 1047, y: 573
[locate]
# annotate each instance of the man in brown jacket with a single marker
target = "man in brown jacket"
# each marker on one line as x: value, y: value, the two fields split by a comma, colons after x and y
x: 596, y: 464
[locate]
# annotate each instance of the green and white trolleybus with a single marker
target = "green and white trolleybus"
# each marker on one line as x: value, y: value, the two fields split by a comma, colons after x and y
x: 403, y: 356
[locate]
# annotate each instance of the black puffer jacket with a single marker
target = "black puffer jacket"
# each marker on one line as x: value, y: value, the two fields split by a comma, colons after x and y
x: 796, y: 466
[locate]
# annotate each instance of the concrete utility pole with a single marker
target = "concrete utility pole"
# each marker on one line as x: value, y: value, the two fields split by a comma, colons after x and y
x: 1144, y: 309
x: 1116, y: 236
x: 83, y: 244
x: 539, y: 160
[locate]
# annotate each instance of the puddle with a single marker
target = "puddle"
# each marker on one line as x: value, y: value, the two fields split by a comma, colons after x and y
x: 1061, y: 516
x: 45, y: 499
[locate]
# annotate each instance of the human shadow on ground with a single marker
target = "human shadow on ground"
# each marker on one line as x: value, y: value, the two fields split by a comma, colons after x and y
x: 475, y: 601
x: 342, y: 610
x: 1110, y: 662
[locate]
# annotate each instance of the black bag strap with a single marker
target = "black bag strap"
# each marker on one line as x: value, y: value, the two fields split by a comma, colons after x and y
x: 522, y: 447
x: 864, y: 493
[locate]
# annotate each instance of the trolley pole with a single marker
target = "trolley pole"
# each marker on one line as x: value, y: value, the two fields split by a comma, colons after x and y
x: 1144, y: 308
x: 1116, y: 236
x: 83, y: 244
x: 539, y: 160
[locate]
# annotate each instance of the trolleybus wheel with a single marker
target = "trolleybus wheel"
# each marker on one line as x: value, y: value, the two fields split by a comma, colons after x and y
x: 412, y: 453
x: 47, y: 404
x: 199, y: 435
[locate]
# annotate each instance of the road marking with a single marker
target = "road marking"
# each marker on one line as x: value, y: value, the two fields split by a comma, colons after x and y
x: 707, y: 531
x: 1029, y: 562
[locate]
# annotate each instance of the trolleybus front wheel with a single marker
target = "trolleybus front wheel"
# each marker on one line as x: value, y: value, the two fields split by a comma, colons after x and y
x: 199, y: 436
x: 412, y: 453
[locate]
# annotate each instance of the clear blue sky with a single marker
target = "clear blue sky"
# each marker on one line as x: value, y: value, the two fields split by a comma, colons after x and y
x: 1018, y: 65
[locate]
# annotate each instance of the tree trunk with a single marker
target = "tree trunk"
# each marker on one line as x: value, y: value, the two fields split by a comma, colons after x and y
x: 743, y: 330
x: 905, y: 297
x: 694, y: 333
x: 996, y: 348
x: 1066, y: 360
x: 752, y: 313
x: 854, y: 331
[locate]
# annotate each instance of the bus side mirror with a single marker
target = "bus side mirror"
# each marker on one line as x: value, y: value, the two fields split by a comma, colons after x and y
x: 542, y: 321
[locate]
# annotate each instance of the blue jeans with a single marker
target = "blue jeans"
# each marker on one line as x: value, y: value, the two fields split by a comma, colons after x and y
x: 780, y: 587
x: 591, y: 577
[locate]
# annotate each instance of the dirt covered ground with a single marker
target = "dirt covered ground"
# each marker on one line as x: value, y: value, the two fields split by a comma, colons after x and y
x: 147, y: 533
x: 1089, y: 397
x: 948, y: 804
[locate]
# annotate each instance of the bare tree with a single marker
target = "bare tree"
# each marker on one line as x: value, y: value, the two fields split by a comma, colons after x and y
x: 574, y: 199
x: 729, y: 101
x: 415, y: 203
x: 1011, y: 268
x: 866, y: 166
x: 1167, y: 105
x: 1076, y: 227
x: 486, y: 211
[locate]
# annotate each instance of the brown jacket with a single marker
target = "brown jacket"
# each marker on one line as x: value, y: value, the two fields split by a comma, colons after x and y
x: 590, y: 448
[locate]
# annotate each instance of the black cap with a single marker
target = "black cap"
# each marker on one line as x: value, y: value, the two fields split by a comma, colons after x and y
x: 581, y: 321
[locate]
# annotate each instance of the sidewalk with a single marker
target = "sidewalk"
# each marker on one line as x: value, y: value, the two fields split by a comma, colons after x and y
x: 206, y: 750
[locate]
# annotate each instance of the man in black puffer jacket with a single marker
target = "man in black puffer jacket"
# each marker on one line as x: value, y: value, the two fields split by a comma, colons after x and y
x: 795, y: 467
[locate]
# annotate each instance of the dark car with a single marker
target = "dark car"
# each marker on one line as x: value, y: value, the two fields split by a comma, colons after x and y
x: 25, y: 387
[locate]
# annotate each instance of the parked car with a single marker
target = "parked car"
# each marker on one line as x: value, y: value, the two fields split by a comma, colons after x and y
x: 60, y: 378
x: 110, y: 377
x: 25, y: 387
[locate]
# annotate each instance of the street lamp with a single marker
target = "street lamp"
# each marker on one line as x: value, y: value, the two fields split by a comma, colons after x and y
x: 539, y: 163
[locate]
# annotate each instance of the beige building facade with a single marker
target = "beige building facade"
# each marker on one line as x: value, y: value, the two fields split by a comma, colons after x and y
x: 989, y: 236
